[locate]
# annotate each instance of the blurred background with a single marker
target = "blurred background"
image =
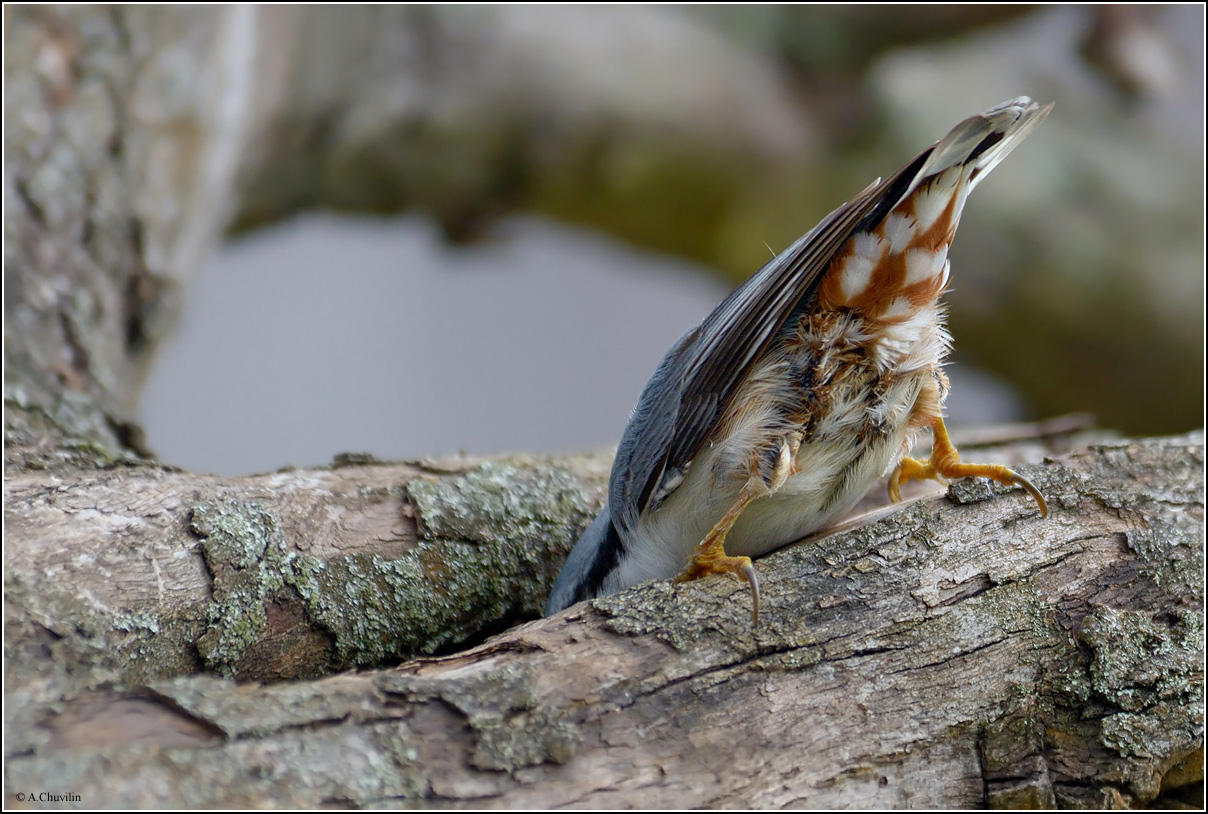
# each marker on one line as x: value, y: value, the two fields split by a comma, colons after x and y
x: 480, y: 228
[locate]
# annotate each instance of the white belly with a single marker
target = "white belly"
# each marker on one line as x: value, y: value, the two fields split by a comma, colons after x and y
x: 834, y: 472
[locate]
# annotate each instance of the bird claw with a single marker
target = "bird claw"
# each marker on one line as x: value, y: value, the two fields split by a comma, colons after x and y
x: 706, y: 565
x: 1030, y: 488
x: 748, y: 571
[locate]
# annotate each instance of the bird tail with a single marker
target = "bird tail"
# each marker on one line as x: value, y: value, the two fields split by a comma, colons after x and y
x: 980, y: 142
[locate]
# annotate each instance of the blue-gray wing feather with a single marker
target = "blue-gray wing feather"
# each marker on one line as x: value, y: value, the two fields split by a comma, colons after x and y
x: 702, y: 372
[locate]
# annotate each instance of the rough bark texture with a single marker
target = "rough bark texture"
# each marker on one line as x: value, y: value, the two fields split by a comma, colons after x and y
x: 958, y: 652
x: 285, y: 576
x: 301, y: 573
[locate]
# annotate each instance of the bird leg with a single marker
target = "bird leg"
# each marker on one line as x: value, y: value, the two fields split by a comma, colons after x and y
x: 710, y: 556
x: 945, y: 462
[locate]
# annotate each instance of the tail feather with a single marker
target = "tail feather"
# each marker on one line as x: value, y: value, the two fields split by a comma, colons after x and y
x: 980, y: 142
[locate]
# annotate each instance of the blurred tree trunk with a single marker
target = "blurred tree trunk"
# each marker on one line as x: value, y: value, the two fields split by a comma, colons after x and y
x: 136, y: 136
x: 953, y: 653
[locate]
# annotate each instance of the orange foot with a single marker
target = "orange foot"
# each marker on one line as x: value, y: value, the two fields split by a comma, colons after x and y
x: 945, y: 463
x: 710, y: 556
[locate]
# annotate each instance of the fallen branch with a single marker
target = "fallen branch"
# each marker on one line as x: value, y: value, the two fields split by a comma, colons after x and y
x: 958, y: 652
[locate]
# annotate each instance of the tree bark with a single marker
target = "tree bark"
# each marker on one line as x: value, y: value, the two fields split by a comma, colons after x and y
x: 957, y: 652
x: 301, y: 573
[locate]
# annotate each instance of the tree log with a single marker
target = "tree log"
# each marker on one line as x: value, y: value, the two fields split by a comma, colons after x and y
x: 960, y: 651
x: 302, y: 573
x: 175, y: 639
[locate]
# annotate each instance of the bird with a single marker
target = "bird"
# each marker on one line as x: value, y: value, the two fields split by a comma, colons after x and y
x: 807, y: 384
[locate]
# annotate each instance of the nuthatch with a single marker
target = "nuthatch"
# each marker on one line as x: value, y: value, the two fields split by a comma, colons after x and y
x: 775, y: 415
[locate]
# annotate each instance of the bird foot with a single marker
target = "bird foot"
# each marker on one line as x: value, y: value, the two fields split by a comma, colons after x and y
x: 945, y: 463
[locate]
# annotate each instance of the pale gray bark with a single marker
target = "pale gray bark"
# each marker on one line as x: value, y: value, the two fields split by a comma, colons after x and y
x: 957, y: 652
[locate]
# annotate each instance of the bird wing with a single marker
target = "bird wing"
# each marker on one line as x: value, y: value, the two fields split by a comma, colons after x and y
x: 702, y: 372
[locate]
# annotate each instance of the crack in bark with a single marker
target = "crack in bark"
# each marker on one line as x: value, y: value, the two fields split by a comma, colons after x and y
x: 954, y: 657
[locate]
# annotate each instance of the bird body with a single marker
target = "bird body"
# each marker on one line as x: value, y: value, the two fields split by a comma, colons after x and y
x: 808, y: 383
